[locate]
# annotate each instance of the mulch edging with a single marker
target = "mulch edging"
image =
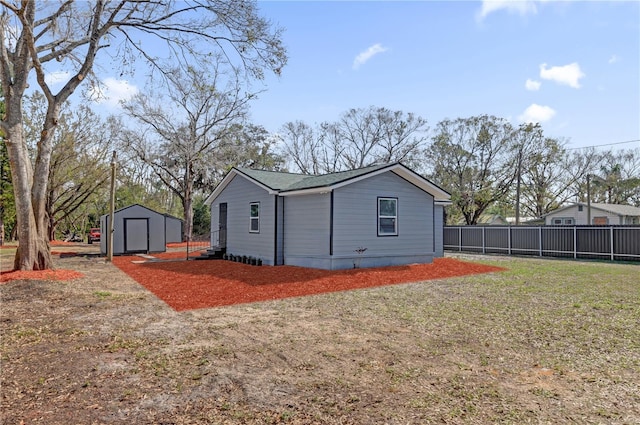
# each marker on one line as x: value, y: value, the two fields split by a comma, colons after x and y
x: 188, y: 285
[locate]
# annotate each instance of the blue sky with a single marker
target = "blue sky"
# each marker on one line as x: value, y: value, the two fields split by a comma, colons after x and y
x: 572, y: 66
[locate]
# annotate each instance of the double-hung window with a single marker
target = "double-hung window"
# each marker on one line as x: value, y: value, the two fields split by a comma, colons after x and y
x: 254, y: 217
x: 387, y: 216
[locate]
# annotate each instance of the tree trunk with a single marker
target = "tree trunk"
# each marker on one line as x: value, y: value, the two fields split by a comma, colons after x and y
x: 187, y: 204
x: 33, y: 243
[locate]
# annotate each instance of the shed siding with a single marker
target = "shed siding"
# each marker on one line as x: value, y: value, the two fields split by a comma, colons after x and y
x: 157, y: 241
x: 173, y: 229
x: 238, y: 195
x: 306, y: 230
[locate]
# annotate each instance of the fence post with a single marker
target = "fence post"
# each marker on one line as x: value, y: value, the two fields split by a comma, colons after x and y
x: 484, y: 251
x: 575, y: 242
x: 509, y: 238
x: 611, y: 241
x: 540, y: 241
x: 460, y: 239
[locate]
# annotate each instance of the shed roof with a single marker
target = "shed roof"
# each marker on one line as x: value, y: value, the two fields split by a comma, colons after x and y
x: 134, y: 205
x: 289, y: 184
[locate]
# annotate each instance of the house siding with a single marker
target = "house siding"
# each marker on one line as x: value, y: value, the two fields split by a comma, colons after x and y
x: 356, y: 224
x: 238, y: 195
x: 306, y: 230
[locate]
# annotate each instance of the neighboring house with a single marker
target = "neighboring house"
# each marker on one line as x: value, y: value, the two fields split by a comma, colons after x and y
x: 601, y: 214
x: 375, y: 216
x: 138, y: 229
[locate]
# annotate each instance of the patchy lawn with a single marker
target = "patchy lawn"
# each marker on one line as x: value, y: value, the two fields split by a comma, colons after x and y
x: 545, y: 341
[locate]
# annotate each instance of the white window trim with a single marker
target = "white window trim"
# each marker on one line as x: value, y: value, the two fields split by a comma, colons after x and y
x: 564, y: 221
x: 395, y: 217
x: 251, y: 219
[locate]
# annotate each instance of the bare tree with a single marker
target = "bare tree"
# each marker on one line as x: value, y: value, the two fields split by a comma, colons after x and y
x: 244, y: 145
x: 617, y: 178
x: 379, y: 135
x: 360, y: 137
x: 79, y: 158
x: 35, y: 34
x: 302, y: 146
x: 473, y: 158
x: 184, y: 128
x: 551, y: 175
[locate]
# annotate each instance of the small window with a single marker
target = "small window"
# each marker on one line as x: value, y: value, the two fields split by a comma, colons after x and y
x: 567, y: 221
x: 254, y: 218
x: 387, y: 216
x: 580, y: 208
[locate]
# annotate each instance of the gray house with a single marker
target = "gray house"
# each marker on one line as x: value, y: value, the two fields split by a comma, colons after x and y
x: 601, y: 214
x: 138, y: 229
x: 375, y: 216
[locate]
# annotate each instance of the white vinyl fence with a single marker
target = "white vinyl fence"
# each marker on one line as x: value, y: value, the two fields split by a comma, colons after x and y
x: 621, y: 243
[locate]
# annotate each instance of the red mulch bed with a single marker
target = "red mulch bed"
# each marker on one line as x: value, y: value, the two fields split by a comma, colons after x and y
x: 200, y: 284
x: 58, y: 274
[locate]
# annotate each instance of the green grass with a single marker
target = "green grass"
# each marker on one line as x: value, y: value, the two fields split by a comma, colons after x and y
x: 545, y: 341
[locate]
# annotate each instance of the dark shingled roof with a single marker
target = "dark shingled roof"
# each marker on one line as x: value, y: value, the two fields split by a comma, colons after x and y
x: 288, y: 181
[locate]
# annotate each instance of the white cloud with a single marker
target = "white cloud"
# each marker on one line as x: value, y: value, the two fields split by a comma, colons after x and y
x: 363, y: 57
x: 57, y: 77
x: 521, y: 7
x: 537, y: 114
x: 112, y: 91
x: 532, y: 85
x: 614, y: 59
x: 567, y: 75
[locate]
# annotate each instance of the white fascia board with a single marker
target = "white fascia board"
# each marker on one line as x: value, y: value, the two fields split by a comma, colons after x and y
x: 310, y: 191
x: 439, y: 195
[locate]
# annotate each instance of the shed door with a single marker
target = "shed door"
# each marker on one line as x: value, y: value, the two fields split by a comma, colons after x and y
x: 136, y: 235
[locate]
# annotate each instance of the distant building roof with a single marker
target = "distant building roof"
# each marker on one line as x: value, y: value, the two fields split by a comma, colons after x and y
x: 618, y: 209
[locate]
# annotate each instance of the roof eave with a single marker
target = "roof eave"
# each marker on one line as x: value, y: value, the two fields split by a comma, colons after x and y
x: 439, y: 195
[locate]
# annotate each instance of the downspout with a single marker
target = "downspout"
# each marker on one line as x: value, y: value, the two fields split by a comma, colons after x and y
x: 331, y: 225
x: 433, y: 225
x: 275, y: 235
x: 284, y: 228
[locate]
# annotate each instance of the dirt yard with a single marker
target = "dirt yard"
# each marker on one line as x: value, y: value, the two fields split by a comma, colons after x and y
x: 544, y: 342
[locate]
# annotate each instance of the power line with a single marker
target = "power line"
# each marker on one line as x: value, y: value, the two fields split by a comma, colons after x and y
x: 604, y: 144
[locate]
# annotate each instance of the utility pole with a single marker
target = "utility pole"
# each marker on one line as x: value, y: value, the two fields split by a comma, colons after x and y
x: 112, y: 207
x: 518, y: 182
x: 588, y: 198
